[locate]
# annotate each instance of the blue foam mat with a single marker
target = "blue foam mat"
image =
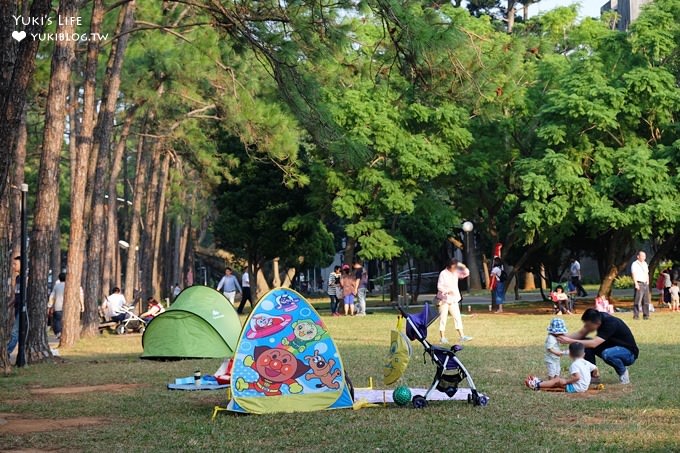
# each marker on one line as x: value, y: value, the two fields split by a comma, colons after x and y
x: 194, y: 387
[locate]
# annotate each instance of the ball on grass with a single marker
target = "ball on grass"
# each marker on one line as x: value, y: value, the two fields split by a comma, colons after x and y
x: 401, y: 395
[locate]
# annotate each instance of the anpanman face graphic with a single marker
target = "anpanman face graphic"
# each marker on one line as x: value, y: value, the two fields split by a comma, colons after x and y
x: 276, y: 365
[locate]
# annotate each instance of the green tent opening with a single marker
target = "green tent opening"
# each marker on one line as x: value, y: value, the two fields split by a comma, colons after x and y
x: 201, y: 324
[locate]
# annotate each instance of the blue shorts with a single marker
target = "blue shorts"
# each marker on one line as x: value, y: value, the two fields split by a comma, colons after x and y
x: 570, y: 388
x: 349, y: 300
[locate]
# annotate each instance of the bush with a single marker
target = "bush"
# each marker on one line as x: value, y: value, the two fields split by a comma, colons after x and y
x: 624, y: 282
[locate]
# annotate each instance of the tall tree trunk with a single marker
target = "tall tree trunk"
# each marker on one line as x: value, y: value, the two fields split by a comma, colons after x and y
x: 159, y: 207
x: 17, y: 65
x: 663, y: 251
x: 513, y: 274
x: 176, y: 275
x: 111, y: 276
x: 102, y: 142
x: 168, y: 244
x: 55, y: 256
x: 189, y: 254
x: 6, y: 280
x: 146, y: 251
x: 77, y: 237
x: 529, y: 281
x: 511, y: 14
x: 47, y: 192
x: 183, y: 241
x: 618, y: 253
x: 18, y: 164
x: 10, y: 207
x: 131, y: 271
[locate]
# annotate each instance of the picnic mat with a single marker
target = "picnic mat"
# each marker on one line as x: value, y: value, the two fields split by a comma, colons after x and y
x: 385, y: 396
x: 194, y: 387
x: 188, y: 383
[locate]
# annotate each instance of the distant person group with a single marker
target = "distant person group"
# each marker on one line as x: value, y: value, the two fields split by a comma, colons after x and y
x: 348, y: 286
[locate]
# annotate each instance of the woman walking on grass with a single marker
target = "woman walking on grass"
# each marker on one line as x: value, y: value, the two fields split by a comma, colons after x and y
x: 448, y: 296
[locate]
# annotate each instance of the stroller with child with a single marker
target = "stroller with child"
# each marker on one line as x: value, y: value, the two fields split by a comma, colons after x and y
x: 563, y: 297
x: 450, y: 371
x: 130, y: 322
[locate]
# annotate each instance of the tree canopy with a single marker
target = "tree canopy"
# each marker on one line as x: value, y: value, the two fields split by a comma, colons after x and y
x: 283, y: 130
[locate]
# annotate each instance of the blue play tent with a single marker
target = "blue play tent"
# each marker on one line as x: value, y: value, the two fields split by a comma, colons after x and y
x: 286, y: 361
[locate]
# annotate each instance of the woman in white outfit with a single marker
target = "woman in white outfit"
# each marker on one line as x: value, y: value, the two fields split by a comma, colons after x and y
x: 448, y: 296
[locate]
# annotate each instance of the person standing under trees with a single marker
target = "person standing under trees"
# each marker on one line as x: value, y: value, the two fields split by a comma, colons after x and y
x: 640, y: 273
x: 229, y: 285
x: 361, y: 276
x: 497, y: 284
x: 666, y: 283
x: 245, y: 294
x: 332, y: 290
x: 448, y: 295
x: 348, y: 284
x: 55, y: 306
x: 175, y: 291
x: 13, y: 309
x: 575, y: 273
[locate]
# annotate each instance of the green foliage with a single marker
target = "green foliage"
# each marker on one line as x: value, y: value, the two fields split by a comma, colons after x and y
x: 260, y: 218
x: 624, y: 282
x: 290, y: 124
x: 602, y: 121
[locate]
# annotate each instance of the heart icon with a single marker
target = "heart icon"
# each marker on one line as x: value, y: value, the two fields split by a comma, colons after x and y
x: 19, y: 35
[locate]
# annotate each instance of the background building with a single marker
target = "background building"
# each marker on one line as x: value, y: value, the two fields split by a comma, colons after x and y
x: 628, y: 11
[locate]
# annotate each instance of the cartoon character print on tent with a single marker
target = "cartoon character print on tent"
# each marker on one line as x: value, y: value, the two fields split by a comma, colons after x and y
x: 286, y: 360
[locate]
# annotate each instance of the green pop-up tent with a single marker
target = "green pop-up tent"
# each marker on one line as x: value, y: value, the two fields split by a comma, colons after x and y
x: 200, y: 324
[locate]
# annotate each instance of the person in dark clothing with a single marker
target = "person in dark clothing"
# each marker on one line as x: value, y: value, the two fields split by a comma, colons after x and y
x: 245, y: 292
x: 13, y: 308
x: 614, y: 342
x: 575, y: 274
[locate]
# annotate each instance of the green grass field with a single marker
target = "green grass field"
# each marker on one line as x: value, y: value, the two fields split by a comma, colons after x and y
x: 643, y: 416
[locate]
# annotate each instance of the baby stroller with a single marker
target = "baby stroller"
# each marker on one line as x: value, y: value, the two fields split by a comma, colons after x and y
x: 567, y: 305
x: 131, y: 323
x: 450, y: 370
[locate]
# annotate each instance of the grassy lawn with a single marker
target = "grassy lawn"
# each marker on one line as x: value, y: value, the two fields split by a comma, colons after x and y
x: 506, y: 348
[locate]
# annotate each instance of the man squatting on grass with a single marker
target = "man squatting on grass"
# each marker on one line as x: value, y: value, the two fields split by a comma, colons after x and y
x: 580, y: 373
x: 614, y: 342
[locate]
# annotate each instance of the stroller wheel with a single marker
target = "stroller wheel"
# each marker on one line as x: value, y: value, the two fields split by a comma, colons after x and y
x: 483, y: 400
x: 142, y: 328
x: 120, y: 329
x: 419, y: 402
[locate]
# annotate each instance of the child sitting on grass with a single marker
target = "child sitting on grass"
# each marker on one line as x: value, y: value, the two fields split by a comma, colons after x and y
x: 581, y: 371
x: 553, y: 353
x: 603, y: 305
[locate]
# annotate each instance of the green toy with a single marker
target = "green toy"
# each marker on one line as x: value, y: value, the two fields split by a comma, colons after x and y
x: 402, y: 395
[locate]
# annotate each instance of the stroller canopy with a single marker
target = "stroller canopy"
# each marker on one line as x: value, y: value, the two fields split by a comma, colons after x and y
x: 421, y: 322
x: 200, y: 324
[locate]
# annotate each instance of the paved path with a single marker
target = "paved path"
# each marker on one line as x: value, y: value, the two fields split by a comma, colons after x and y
x: 533, y: 296
x: 485, y: 299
